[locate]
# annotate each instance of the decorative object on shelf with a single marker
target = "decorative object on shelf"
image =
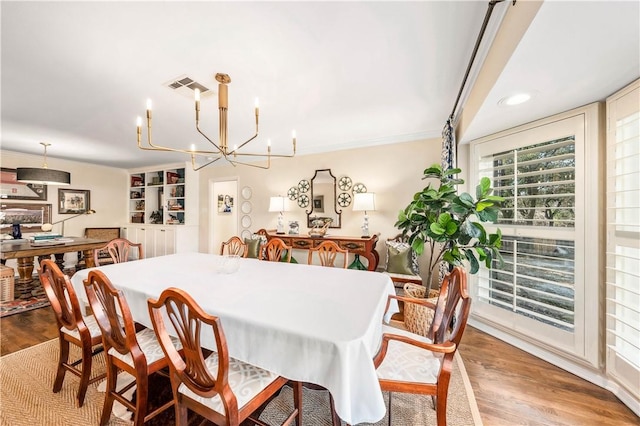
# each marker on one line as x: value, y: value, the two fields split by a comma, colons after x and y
x: 246, y: 193
x: 245, y: 207
x: 344, y: 199
x: 278, y: 204
x: 359, y: 187
x: 303, y: 200
x: 357, y: 264
x: 156, y: 217
x: 73, y: 201
x: 319, y: 231
x: 344, y: 183
x: 11, y: 189
x: 43, y: 175
x: 304, y: 185
x: 225, y: 203
x: 292, y: 193
x: 172, y: 178
x: 222, y: 149
x: 364, y: 201
x: 294, y: 227
x: 140, y: 205
x: 46, y: 227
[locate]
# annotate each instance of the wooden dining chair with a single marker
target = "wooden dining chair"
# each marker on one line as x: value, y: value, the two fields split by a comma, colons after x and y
x: 220, y: 388
x: 235, y: 246
x: 73, y: 328
x: 411, y: 363
x: 327, y: 252
x: 119, y: 250
x: 275, y: 250
x: 139, y: 354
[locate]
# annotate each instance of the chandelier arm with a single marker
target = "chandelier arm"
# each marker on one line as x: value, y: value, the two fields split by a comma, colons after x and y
x: 193, y: 163
x: 220, y: 151
x: 235, y: 162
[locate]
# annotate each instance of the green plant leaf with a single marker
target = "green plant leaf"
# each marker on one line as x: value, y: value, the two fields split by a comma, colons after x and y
x: 473, y: 262
x: 483, y: 205
x: 437, y: 229
x: 418, y: 245
x: 450, y: 172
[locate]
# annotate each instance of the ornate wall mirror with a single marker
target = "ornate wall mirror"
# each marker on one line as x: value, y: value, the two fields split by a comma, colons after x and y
x: 323, y: 200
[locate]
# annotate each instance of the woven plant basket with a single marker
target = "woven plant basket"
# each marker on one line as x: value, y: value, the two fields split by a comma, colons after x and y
x: 417, y: 319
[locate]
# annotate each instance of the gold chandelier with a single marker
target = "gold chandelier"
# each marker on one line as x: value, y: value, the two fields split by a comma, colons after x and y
x: 222, y: 147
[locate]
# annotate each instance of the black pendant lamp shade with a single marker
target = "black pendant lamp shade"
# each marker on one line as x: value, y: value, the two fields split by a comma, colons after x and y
x: 43, y: 175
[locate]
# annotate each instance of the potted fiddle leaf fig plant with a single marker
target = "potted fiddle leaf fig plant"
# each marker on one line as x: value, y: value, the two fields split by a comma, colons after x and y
x: 450, y: 224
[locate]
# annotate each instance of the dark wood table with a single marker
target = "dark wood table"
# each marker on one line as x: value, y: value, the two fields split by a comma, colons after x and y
x: 25, y: 253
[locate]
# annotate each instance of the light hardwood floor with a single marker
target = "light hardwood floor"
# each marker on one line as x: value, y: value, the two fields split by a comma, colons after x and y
x: 510, y: 386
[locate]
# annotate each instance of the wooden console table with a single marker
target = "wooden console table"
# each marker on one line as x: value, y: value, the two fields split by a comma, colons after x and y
x: 25, y: 253
x: 362, y: 246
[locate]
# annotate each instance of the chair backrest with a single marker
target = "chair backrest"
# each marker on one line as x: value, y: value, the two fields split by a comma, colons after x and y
x: 453, y: 307
x: 327, y: 252
x: 189, y: 320
x: 61, y: 295
x: 235, y: 246
x: 119, y: 250
x: 274, y: 249
x: 111, y: 310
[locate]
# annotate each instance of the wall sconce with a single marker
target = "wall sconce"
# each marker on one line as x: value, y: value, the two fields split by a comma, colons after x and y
x: 364, y: 201
x: 278, y: 204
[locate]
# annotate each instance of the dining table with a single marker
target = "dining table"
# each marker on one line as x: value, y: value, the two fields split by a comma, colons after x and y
x: 307, y: 323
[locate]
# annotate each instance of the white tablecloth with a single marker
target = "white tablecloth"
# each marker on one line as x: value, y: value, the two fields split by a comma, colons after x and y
x: 306, y: 323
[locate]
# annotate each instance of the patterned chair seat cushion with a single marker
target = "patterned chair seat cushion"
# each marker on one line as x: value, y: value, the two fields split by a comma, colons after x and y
x: 92, y: 325
x: 405, y: 362
x: 149, y: 345
x: 246, y: 382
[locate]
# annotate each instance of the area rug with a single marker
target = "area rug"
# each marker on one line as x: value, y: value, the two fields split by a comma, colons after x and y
x: 22, y: 305
x: 26, y: 398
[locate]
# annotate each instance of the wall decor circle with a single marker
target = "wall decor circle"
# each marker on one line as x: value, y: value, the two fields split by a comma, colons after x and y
x: 344, y: 183
x: 292, y: 193
x: 246, y: 221
x: 304, y: 185
x: 359, y: 187
x: 245, y: 234
x: 344, y: 199
x: 245, y: 207
x: 303, y: 200
x: 246, y: 192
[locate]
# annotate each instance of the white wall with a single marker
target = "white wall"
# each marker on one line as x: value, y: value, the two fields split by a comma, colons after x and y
x: 393, y: 172
x: 225, y: 225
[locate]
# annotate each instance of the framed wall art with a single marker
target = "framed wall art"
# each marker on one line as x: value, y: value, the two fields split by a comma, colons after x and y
x: 30, y: 216
x: 225, y: 203
x: 73, y: 201
x: 11, y: 189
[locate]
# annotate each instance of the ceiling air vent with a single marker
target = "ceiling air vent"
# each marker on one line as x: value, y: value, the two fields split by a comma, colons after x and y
x: 186, y: 85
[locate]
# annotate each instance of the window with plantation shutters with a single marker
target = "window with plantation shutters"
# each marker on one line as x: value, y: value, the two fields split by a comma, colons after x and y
x: 546, y: 289
x: 623, y: 238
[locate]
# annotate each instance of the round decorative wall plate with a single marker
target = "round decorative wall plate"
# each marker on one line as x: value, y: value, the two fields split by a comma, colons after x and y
x: 246, y: 192
x: 246, y: 221
x: 293, y: 193
x: 344, y: 199
x: 245, y: 234
x: 359, y: 187
x: 245, y: 207
x: 303, y: 200
x: 344, y: 183
x: 303, y: 186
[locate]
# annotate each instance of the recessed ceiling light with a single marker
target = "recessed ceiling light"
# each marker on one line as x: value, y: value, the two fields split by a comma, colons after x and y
x: 516, y: 99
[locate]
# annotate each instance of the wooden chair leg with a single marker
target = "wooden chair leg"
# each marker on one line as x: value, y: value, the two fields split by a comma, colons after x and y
x: 142, y: 391
x: 85, y: 376
x: 297, y: 401
x: 64, y: 359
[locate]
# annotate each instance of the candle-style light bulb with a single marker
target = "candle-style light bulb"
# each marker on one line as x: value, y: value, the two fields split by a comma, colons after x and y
x: 139, y: 122
x: 235, y: 148
x: 196, y: 93
x: 193, y: 147
x: 148, y: 104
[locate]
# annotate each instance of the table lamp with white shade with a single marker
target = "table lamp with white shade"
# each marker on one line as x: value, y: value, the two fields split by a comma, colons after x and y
x: 364, y: 201
x: 46, y: 227
x: 278, y: 204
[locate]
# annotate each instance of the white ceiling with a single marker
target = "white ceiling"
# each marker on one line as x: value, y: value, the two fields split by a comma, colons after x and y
x: 343, y: 74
